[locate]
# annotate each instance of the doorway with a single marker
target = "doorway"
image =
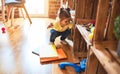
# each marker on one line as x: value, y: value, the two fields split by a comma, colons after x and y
x: 37, y: 8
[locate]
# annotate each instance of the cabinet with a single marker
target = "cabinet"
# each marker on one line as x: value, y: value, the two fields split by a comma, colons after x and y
x: 101, y: 52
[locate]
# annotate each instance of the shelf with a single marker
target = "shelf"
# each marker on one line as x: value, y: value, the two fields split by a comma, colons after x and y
x: 85, y: 21
x: 109, y: 62
x: 102, y: 56
x: 84, y: 33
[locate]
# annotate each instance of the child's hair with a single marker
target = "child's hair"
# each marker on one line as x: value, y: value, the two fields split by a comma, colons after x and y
x: 64, y: 13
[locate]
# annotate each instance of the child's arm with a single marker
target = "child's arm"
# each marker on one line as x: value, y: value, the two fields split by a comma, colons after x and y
x: 50, y: 25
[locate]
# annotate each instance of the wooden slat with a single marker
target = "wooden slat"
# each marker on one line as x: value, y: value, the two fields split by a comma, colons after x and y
x: 107, y: 61
x: 115, y: 55
x: 92, y: 63
x: 100, y: 69
x: 114, y: 13
x: 76, y: 39
x: 88, y: 9
x: 94, y: 12
x: 82, y: 54
x: 80, y: 9
x: 101, y: 20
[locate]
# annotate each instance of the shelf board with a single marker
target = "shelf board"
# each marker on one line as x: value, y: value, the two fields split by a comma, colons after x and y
x: 84, y: 33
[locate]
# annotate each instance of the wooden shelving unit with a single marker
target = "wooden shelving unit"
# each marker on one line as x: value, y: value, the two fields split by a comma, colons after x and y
x: 109, y: 63
x: 101, y: 52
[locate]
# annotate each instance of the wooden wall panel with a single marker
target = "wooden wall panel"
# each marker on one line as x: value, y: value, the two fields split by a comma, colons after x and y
x: 86, y: 9
x: 89, y: 8
x: 94, y: 10
x: 79, y: 7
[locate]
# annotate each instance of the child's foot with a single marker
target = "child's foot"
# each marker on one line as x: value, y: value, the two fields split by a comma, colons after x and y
x: 63, y: 42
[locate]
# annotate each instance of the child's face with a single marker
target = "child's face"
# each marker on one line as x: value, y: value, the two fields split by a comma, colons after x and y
x: 65, y: 22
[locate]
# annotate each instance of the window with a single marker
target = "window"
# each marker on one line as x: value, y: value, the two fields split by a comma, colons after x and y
x: 37, y: 8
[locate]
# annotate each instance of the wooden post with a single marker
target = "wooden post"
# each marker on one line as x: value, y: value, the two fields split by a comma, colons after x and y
x: 101, y: 20
x: 76, y: 37
x: 92, y: 63
x: 114, y: 13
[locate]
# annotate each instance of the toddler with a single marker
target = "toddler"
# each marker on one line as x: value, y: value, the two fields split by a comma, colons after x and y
x: 61, y: 27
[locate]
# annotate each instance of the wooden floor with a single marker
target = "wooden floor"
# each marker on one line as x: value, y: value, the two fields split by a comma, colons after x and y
x: 17, y: 44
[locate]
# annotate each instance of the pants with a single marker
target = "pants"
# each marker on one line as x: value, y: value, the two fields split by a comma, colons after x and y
x: 55, y: 34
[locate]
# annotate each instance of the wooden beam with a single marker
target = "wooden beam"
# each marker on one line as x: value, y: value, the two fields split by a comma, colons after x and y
x: 114, y: 13
x: 101, y: 20
x: 92, y: 63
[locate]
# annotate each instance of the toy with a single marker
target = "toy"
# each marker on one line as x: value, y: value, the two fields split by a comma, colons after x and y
x: 92, y: 29
x: 89, y: 26
x: 53, y: 46
x: 92, y: 33
x: 3, y: 30
x: 76, y: 67
x: 90, y: 36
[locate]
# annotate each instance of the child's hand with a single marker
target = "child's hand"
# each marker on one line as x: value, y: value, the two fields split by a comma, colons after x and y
x: 50, y: 25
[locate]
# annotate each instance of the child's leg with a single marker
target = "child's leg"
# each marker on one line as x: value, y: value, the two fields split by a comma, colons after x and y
x: 65, y: 34
x: 53, y: 35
